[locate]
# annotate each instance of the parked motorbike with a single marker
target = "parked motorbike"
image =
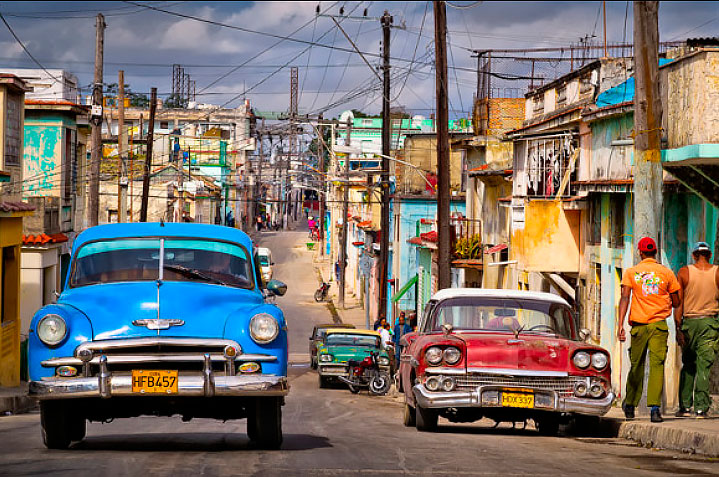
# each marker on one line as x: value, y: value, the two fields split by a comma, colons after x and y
x: 367, y: 374
x: 321, y: 292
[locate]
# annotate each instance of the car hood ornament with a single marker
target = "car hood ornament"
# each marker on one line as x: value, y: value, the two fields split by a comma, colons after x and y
x: 158, y: 323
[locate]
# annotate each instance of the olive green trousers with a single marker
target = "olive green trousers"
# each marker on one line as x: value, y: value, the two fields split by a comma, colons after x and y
x: 700, y: 335
x: 652, y: 338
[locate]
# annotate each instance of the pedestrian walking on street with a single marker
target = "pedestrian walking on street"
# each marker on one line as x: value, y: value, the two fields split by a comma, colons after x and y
x: 697, y: 330
x: 653, y: 290
x: 381, y: 321
x: 400, y: 329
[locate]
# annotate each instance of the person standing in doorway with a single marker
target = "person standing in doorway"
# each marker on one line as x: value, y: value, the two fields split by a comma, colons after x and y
x: 697, y: 330
x: 400, y: 329
x: 653, y: 290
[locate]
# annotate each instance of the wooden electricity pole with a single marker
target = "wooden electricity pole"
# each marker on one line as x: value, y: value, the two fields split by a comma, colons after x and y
x: 148, y: 156
x: 321, y: 196
x: 648, y: 180
x: 345, y: 212
x: 386, y: 21
x: 440, y: 51
x: 93, y: 206
x: 121, y: 150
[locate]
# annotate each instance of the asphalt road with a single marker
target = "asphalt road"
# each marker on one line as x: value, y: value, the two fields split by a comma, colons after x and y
x: 327, y: 432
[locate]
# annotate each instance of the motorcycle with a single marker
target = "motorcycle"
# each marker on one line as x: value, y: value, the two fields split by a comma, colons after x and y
x: 321, y: 292
x: 367, y: 374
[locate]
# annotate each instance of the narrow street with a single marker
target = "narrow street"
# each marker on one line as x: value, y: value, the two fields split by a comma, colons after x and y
x: 326, y: 432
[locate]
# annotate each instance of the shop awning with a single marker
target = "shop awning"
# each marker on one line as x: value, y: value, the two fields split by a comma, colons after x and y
x: 404, y: 289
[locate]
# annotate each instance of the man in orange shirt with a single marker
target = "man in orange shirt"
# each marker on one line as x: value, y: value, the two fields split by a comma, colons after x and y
x: 653, y: 290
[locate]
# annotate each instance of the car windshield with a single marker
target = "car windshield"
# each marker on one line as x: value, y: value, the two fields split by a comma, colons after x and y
x: 341, y: 339
x: 502, y: 314
x: 133, y: 259
x: 264, y: 260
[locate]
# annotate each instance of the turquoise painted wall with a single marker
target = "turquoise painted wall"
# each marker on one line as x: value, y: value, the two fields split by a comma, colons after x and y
x: 43, y: 152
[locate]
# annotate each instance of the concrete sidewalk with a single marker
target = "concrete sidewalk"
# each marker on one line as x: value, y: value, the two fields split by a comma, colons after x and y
x: 685, y: 434
x: 353, y: 312
x: 16, y: 400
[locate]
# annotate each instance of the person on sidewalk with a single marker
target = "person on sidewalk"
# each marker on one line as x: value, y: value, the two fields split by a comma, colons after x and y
x: 385, y: 336
x: 697, y: 330
x: 400, y: 329
x: 653, y: 290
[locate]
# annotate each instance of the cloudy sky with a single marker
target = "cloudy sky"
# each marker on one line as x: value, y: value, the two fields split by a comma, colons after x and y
x: 242, y: 49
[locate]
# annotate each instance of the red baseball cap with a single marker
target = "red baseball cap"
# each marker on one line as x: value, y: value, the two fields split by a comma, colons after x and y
x: 647, y: 244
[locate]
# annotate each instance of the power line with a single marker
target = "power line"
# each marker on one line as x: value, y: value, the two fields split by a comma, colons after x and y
x: 22, y: 45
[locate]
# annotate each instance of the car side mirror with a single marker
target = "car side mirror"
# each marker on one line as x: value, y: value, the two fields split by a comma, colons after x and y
x: 276, y: 287
x: 585, y: 334
x: 272, y: 263
x: 407, y: 339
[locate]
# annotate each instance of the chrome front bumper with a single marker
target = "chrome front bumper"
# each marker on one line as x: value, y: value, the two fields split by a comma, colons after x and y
x: 556, y: 403
x: 332, y: 369
x: 191, y: 386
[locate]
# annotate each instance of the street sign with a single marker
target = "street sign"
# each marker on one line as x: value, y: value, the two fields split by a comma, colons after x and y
x: 365, y: 264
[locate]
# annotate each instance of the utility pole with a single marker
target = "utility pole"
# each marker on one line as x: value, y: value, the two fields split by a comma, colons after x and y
x: 121, y: 150
x: 386, y: 22
x: 345, y: 212
x: 258, y: 184
x: 648, y: 124
x: 294, y: 84
x: 148, y: 156
x: 604, y: 13
x: 440, y: 51
x: 321, y: 164
x: 96, y: 153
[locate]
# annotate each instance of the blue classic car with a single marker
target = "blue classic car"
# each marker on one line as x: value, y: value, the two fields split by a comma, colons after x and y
x: 161, y: 319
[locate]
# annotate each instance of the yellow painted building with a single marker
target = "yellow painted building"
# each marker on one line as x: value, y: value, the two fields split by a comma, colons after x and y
x: 12, y: 211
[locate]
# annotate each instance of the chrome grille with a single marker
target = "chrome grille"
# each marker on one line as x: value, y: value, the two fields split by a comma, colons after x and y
x: 564, y: 385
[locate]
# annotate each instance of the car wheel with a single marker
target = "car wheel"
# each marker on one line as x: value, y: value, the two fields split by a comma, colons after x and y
x: 548, y: 426
x: 267, y: 422
x: 409, y: 416
x: 426, y: 419
x: 323, y: 382
x: 59, y: 426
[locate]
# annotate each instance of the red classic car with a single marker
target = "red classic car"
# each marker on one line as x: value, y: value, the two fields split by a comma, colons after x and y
x: 501, y: 354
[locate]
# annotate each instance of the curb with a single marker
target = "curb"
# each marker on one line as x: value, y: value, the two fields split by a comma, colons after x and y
x: 675, y: 438
x: 18, y: 404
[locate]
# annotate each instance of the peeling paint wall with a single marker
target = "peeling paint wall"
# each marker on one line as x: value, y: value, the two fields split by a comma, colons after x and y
x: 607, y: 161
x: 550, y: 240
x: 691, y: 100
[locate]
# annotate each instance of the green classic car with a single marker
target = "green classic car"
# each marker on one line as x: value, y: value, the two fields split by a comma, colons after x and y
x: 340, y: 345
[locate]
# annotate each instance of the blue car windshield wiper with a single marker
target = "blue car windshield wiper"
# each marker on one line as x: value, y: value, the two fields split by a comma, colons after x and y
x: 192, y: 272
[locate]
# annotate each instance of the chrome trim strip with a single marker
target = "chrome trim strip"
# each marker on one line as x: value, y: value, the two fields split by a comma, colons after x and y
x: 190, y: 386
x: 441, y: 400
x: 518, y: 372
x: 154, y: 358
x: 106, y: 345
x: 442, y: 370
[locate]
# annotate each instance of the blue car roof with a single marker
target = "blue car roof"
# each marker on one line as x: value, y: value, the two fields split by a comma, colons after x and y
x: 156, y: 229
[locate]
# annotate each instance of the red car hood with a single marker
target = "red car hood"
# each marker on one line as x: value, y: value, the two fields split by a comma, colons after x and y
x: 528, y: 352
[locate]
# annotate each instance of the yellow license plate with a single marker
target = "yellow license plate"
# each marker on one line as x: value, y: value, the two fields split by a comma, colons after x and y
x: 517, y: 400
x: 154, y: 381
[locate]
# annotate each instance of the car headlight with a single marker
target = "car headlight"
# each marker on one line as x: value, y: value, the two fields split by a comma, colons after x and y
x: 325, y: 358
x: 51, y: 329
x: 452, y: 355
x: 581, y: 360
x: 383, y: 361
x: 264, y: 328
x: 600, y: 360
x: 433, y: 355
